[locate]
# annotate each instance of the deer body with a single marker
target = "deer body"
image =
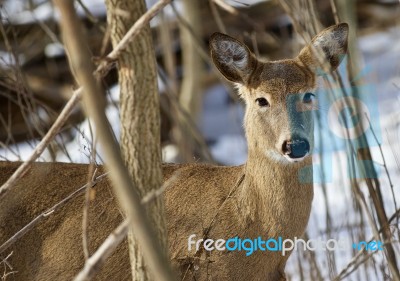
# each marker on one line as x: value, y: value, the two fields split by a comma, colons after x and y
x: 252, y: 209
x: 269, y: 196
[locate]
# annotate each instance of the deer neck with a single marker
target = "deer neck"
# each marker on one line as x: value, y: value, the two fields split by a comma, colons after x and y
x: 276, y: 190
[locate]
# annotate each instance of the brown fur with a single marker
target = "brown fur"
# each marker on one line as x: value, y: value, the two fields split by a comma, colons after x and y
x: 261, y: 198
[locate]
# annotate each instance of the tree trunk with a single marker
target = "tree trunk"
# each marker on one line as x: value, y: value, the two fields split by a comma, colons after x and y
x: 140, y: 120
x: 190, y: 96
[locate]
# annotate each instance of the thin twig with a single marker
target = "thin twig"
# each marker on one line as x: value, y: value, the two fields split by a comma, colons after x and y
x: 85, y: 216
x: 53, y: 131
x: 46, y: 213
x: 7, y: 266
x: 353, y: 262
x: 155, y: 193
x: 91, y: 17
x: 187, y: 120
x: 136, y: 28
x: 199, y: 46
x: 334, y: 11
x: 105, y: 250
x: 207, y: 230
x: 384, y: 161
x: 217, y: 16
x: 96, y: 261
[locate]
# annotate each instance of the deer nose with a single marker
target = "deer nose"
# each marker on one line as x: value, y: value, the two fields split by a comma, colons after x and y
x: 296, y: 148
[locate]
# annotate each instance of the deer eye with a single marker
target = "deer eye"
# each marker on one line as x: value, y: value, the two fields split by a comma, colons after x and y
x: 308, y: 98
x: 262, y: 102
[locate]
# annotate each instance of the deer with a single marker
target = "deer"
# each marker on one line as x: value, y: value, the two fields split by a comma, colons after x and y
x: 270, y: 195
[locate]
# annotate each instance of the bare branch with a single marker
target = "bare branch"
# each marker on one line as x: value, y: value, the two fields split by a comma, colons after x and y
x: 136, y: 28
x: 46, y: 213
x: 94, y: 263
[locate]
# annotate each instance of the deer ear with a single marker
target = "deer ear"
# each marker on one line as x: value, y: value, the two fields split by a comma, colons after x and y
x: 232, y: 58
x: 332, y: 43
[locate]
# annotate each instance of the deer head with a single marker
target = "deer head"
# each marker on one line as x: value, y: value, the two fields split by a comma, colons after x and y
x: 279, y: 95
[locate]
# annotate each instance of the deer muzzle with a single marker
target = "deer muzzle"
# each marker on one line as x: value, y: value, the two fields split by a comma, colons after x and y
x: 296, y: 148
